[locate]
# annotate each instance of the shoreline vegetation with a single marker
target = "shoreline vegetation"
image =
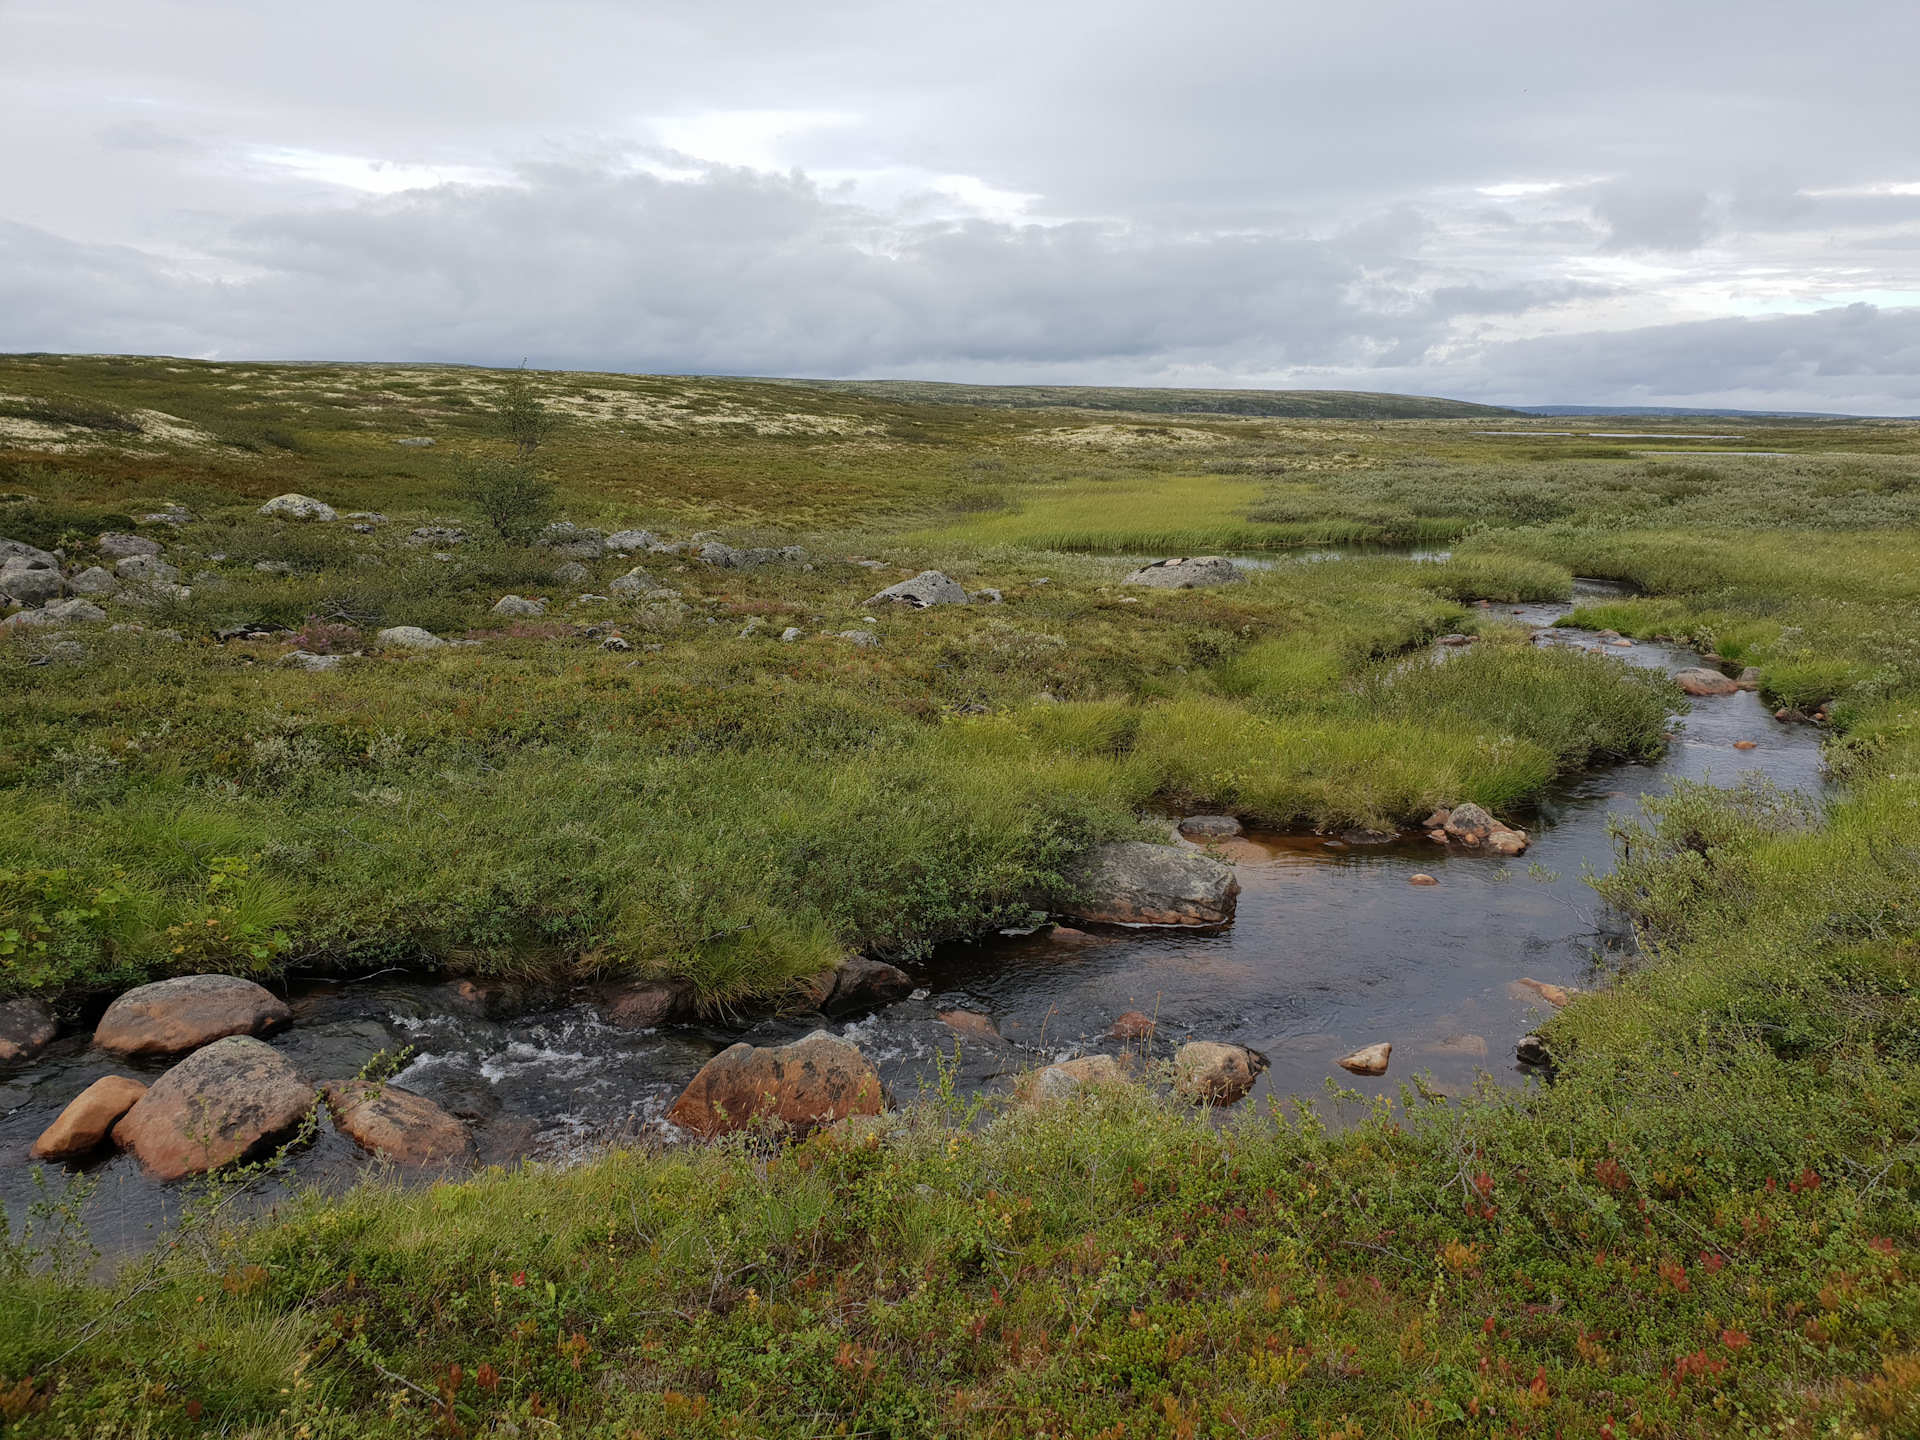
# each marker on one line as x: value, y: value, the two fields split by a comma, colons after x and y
x: 1703, y: 1223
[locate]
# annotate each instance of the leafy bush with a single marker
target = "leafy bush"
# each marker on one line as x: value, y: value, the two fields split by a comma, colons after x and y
x: 510, y: 496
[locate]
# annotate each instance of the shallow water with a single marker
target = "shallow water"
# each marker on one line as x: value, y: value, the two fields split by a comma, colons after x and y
x: 1332, y: 948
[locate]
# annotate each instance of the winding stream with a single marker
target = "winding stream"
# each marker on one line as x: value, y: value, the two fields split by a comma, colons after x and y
x: 1332, y: 949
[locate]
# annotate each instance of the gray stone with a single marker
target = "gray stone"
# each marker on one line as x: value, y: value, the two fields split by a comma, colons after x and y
x: 273, y: 567
x: 74, y: 611
x: 28, y: 584
x: 93, y: 581
x: 26, y: 1028
x: 1134, y: 883
x: 435, y: 535
x: 20, y: 550
x: 927, y: 589
x: 628, y: 540
x: 514, y: 605
x: 1209, y: 825
x: 408, y: 637
x: 307, y: 660
x: 986, y: 597
x: 791, y: 634
x: 116, y: 546
x: 617, y: 643
x: 572, y: 572
x: 418, y: 441
x: 1183, y: 574
x: 297, y: 507
x: 862, y: 638
x: 1210, y: 1073
x: 186, y: 1012
x: 858, y: 984
x: 149, y: 570
x: 1470, y: 822
x: 635, y: 582
x: 372, y: 517
x: 65, y: 652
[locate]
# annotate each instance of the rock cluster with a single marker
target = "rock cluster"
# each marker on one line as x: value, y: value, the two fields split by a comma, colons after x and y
x: 1473, y: 827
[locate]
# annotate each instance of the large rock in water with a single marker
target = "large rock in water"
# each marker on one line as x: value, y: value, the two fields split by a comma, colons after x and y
x: 927, y: 589
x: 26, y: 1028
x: 89, y: 1118
x: 802, y: 1086
x: 1057, y: 1082
x: 227, y: 1102
x: 644, y: 1004
x: 187, y: 1012
x: 1184, y: 574
x: 858, y: 984
x: 1705, y: 682
x: 1210, y: 1073
x: 1134, y: 883
x: 396, y: 1124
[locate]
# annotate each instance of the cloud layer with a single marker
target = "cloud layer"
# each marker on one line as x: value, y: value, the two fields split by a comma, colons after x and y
x: 1387, y: 197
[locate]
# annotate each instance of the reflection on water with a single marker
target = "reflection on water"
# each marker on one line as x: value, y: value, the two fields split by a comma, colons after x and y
x: 1332, y: 949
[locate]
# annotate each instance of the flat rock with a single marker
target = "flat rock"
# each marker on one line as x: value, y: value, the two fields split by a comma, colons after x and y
x: 514, y: 605
x: 1554, y: 995
x: 26, y: 1028
x: 19, y: 550
x: 627, y: 540
x: 94, y: 580
x: 408, y: 637
x: 396, y: 1124
x: 1133, y: 1025
x: 858, y: 983
x: 297, y: 507
x: 645, y: 1004
x: 1705, y: 682
x: 89, y: 1118
x: 1134, y: 883
x: 116, y: 546
x: 801, y: 1086
x: 1503, y: 841
x: 227, y: 1102
x: 971, y: 1023
x: 1185, y: 573
x: 71, y: 611
x: 635, y: 582
x: 927, y: 589
x: 437, y: 537
x: 1368, y: 1059
x: 1210, y: 1073
x: 865, y: 639
x: 1209, y: 825
x: 1057, y: 1082
x: 184, y: 1013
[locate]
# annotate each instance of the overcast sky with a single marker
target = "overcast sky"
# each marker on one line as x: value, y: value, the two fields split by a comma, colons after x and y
x: 1689, y: 204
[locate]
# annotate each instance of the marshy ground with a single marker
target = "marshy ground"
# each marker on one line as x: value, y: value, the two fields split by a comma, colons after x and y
x: 1700, y: 1226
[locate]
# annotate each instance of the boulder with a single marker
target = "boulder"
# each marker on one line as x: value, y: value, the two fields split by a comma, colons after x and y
x: 93, y: 581
x: 408, y: 637
x: 11, y: 550
x: 571, y: 572
x: 802, y: 1086
x: 396, y: 1124
x: 1368, y: 1059
x: 1532, y: 1050
x: 864, y: 639
x: 116, y: 546
x: 1705, y: 682
x: 307, y: 660
x: 858, y: 983
x: 73, y: 611
x: 646, y: 1004
x: 225, y: 1103
x: 635, y: 582
x: 437, y: 537
x: 184, y: 1013
x: 791, y: 634
x: 1210, y: 1073
x: 152, y: 570
x: 89, y: 1118
x: 1503, y: 841
x: 26, y: 583
x: 1437, y: 820
x: 1209, y: 825
x: 1184, y: 574
x: 513, y: 605
x: 627, y: 540
x: 1134, y: 883
x: 1421, y: 879
x: 26, y: 1028
x: 1749, y: 678
x: 925, y: 590
x: 1132, y: 1026
x: 297, y: 507
x: 1470, y: 824
x: 1057, y: 1082
x: 972, y: 1024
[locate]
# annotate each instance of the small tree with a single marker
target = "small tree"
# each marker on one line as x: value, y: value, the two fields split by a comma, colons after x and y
x: 510, y: 494
x: 527, y: 421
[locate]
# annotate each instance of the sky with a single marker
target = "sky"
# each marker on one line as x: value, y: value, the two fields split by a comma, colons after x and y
x: 1701, y: 204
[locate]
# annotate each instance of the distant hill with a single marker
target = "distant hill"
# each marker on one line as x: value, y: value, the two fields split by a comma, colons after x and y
x: 1300, y: 404
x: 1680, y: 412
